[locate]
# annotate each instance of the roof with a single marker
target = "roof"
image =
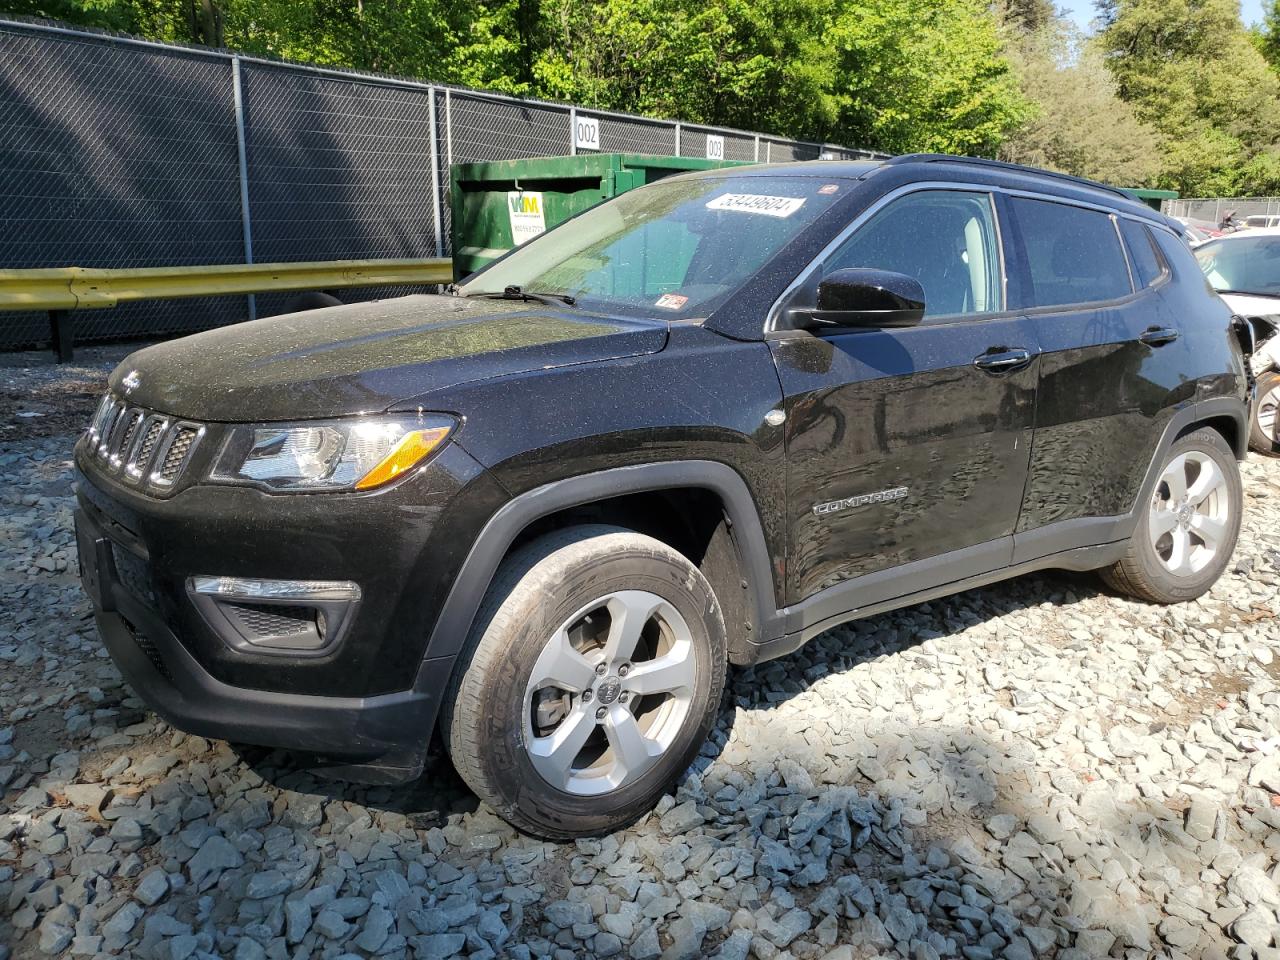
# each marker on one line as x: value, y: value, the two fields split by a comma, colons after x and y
x: 861, y: 169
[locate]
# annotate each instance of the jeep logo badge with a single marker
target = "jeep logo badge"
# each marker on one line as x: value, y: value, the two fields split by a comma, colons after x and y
x: 608, y: 690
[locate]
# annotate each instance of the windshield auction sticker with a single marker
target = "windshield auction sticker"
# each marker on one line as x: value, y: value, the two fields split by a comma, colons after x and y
x: 671, y: 301
x: 527, y: 213
x: 757, y: 203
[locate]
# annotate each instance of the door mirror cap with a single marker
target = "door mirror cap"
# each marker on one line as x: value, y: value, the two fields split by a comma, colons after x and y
x: 867, y: 298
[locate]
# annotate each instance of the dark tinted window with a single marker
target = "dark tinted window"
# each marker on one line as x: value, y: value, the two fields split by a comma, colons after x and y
x: 946, y: 239
x: 1142, y: 251
x: 1074, y: 254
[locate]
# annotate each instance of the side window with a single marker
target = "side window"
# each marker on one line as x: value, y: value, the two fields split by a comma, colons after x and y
x: 1147, y: 263
x: 1073, y: 254
x: 946, y: 239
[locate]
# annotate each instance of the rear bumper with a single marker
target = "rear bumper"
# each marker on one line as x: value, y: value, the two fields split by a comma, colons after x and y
x: 381, y: 737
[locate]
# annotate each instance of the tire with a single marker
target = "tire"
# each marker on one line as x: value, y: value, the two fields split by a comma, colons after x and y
x: 536, y: 671
x: 1181, y: 560
x: 1262, y: 419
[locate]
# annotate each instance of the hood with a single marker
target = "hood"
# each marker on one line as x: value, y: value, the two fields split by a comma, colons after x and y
x: 362, y: 358
x: 1249, y: 305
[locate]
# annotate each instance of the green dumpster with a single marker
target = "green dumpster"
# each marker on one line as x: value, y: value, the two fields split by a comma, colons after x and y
x: 500, y: 204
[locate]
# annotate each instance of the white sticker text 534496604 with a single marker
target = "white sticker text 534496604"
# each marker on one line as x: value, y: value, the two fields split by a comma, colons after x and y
x: 757, y: 203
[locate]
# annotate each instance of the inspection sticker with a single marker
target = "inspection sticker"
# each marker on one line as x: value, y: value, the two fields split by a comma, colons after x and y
x: 671, y: 301
x: 757, y: 203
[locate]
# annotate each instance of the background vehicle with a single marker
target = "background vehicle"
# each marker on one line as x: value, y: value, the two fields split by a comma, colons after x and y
x: 1245, y: 270
x: 1199, y: 231
x: 694, y: 426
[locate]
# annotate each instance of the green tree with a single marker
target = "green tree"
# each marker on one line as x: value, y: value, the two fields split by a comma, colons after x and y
x: 1190, y: 70
x: 924, y: 75
x: 759, y: 64
x: 1079, y: 124
x: 1267, y: 37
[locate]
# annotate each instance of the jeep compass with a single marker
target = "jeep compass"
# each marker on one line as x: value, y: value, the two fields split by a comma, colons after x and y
x: 540, y: 515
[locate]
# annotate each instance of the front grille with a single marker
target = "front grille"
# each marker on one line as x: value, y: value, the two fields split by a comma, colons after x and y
x: 146, y: 449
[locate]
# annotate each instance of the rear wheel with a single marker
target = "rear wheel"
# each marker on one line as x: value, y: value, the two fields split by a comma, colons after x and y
x: 1188, y: 530
x: 589, y: 682
x: 1262, y: 425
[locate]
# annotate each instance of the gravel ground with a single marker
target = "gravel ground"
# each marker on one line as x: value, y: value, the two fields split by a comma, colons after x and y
x: 1037, y: 769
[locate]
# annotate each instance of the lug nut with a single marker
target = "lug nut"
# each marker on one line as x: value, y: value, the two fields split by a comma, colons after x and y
x: 601, y: 669
x: 586, y: 696
x: 601, y: 713
x: 623, y: 697
x: 624, y: 669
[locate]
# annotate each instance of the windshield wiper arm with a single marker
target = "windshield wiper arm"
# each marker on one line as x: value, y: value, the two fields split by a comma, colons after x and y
x: 515, y: 292
x: 1249, y: 293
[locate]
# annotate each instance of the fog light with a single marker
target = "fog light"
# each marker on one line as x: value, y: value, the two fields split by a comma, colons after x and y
x: 289, y: 617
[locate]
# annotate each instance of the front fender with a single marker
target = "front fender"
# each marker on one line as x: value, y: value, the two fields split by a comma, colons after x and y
x: 501, y: 531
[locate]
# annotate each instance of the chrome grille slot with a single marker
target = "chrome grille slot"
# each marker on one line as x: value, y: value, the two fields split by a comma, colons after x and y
x: 140, y: 459
x: 110, y: 418
x: 180, y: 442
x: 127, y: 430
x: 149, y: 449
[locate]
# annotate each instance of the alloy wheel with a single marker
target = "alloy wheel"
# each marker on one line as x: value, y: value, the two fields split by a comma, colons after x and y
x: 1190, y: 513
x: 1265, y: 413
x: 609, y: 693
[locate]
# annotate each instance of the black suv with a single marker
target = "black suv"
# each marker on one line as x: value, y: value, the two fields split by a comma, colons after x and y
x: 694, y: 426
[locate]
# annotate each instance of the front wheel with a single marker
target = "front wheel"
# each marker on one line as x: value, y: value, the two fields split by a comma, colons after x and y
x: 1188, y: 529
x: 589, y: 682
x: 1262, y: 424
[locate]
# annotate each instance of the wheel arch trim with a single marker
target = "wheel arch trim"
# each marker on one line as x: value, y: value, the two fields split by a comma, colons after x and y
x: 502, y: 529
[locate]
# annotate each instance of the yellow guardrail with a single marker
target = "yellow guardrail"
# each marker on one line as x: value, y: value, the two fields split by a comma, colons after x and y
x: 78, y: 288
x: 61, y: 290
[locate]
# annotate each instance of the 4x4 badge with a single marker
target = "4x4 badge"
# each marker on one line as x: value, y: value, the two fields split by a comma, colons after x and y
x: 884, y: 496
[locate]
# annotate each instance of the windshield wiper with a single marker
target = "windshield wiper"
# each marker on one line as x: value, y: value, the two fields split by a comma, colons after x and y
x: 515, y: 292
x: 1249, y: 293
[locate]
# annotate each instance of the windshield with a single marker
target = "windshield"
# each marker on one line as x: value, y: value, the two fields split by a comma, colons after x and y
x: 677, y: 247
x: 1242, y: 265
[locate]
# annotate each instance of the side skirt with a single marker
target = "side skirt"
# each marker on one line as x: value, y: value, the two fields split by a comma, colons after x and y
x: 1080, y: 558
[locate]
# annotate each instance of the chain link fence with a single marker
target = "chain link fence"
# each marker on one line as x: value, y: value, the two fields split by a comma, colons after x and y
x: 1213, y: 209
x: 118, y: 152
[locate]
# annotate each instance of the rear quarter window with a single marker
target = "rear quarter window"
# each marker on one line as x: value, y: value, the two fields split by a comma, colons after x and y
x: 1147, y: 262
x: 1073, y: 254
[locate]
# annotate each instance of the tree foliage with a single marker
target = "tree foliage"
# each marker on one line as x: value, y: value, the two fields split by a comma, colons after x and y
x: 1191, y: 71
x: 1173, y: 92
x: 1079, y: 124
x: 1267, y: 36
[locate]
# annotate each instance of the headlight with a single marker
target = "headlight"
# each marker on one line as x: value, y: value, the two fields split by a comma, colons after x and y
x: 331, y: 454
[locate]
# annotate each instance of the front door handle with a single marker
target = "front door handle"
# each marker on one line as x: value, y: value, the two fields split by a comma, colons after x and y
x: 1003, y: 359
x: 1158, y: 336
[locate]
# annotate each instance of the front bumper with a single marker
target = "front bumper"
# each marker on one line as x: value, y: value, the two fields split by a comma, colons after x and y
x: 386, y: 735
x: 371, y: 698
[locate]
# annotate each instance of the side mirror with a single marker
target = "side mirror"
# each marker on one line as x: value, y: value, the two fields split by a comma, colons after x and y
x: 865, y: 297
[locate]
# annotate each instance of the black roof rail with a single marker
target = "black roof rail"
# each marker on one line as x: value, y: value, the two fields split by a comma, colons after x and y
x: 1003, y: 165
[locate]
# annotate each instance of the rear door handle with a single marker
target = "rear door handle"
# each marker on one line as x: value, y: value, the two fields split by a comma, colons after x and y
x: 1003, y: 360
x: 1158, y: 336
